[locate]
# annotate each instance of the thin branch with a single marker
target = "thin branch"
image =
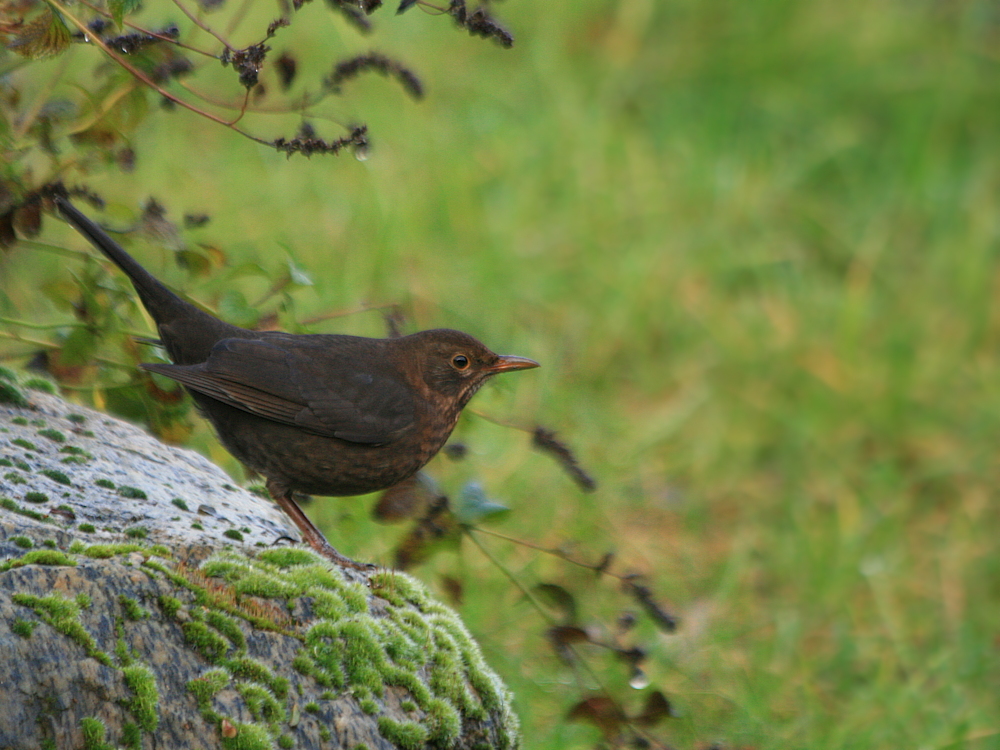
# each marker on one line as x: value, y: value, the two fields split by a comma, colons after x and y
x: 537, y: 605
x: 56, y: 249
x: 155, y: 35
x: 146, y: 79
x: 197, y: 22
x: 597, y: 568
x: 41, y: 326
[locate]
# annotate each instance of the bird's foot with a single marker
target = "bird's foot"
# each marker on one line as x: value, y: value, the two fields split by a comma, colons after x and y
x: 327, y: 550
x: 310, y: 534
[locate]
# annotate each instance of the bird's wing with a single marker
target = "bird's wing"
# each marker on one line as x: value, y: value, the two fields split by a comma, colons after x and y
x: 310, y: 386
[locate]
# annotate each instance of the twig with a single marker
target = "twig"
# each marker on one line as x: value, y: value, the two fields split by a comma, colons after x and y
x: 146, y: 79
x: 202, y: 26
x: 155, y: 35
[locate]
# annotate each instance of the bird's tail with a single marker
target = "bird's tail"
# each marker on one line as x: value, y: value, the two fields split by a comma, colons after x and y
x: 154, y: 295
x: 187, y: 332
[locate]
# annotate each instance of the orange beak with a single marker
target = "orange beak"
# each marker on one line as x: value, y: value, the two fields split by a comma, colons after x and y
x: 508, y: 363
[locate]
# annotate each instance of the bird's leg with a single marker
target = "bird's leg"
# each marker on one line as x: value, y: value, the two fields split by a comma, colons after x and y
x: 312, y: 536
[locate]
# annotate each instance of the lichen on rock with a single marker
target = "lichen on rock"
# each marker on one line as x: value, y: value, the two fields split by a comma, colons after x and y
x: 183, y: 639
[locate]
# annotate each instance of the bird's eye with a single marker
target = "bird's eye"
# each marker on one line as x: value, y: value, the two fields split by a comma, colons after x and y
x: 460, y: 362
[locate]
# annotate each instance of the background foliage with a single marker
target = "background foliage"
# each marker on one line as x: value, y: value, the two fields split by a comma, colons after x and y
x: 754, y: 246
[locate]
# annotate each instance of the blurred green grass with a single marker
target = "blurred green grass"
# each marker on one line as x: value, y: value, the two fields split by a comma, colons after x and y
x: 755, y: 247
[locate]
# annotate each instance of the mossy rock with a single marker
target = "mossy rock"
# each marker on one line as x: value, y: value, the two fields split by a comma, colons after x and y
x: 188, y: 639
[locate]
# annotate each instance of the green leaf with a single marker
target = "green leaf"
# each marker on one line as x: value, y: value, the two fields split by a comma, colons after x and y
x: 250, y: 269
x: 44, y: 36
x: 196, y: 263
x: 473, y: 505
x: 120, y: 8
x: 234, y: 308
x: 298, y: 274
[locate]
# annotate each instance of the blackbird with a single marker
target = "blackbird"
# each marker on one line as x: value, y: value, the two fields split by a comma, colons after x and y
x: 321, y: 414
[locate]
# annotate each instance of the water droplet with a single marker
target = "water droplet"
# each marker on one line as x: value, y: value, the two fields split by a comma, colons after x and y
x: 639, y: 680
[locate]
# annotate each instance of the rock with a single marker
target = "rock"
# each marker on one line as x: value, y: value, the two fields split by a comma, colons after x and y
x: 129, y: 619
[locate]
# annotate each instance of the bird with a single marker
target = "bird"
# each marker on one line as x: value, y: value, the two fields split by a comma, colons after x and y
x: 322, y: 414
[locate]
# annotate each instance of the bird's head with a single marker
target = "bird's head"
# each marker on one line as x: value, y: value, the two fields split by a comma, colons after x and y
x: 455, y: 364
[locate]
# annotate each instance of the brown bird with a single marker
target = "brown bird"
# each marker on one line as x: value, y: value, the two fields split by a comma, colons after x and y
x: 321, y: 414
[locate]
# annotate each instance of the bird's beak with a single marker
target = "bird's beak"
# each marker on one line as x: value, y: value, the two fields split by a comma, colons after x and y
x: 508, y: 363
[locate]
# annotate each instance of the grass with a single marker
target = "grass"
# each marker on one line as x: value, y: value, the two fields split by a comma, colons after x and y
x: 755, y: 248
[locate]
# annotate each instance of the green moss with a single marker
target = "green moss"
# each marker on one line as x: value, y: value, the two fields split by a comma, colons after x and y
x: 408, y: 706
x: 233, y: 534
x: 248, y: 737
x: 14, y: 478
x: 245, y: 668
x: 6, y: 462
x: 20, y: 421
x: 26, y: 444
x: 131, y: 736
x: 197, y: 526
x: 63, y: 615
x: 36, y: 497
x: 7, y: 503
x: 304, y: 665
x: 286, y: 742
x: 105, y: 483
x: 56, y: 476
x: 179, y: 503
x: 105, y: 551
x: 407, y: 735
x: 133, y: 610
x: 83, y: 601
x: 93, y: 734
x: 262, y: 703
x: 133, y: 493
x: 87, y: 528
x: 287, y: 557
x: 312, y: 707
x: 40, y: 557
x: 228, y: 627
x: 22, y: 541
x: 137, y: 532
x: 73, y: 460
x: 122, y: 652
x: 205, y: 687
x: 142, y: 706
x: 170, y: 605
x: 40, y: 384
x: 349, y: 648
x: 76, y: 418
x: 23, y: 628
x: 206, y: 641
x: 368, y: 706
x: 21, y: 465
x: 11, y: 394
x: 54, y: 435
